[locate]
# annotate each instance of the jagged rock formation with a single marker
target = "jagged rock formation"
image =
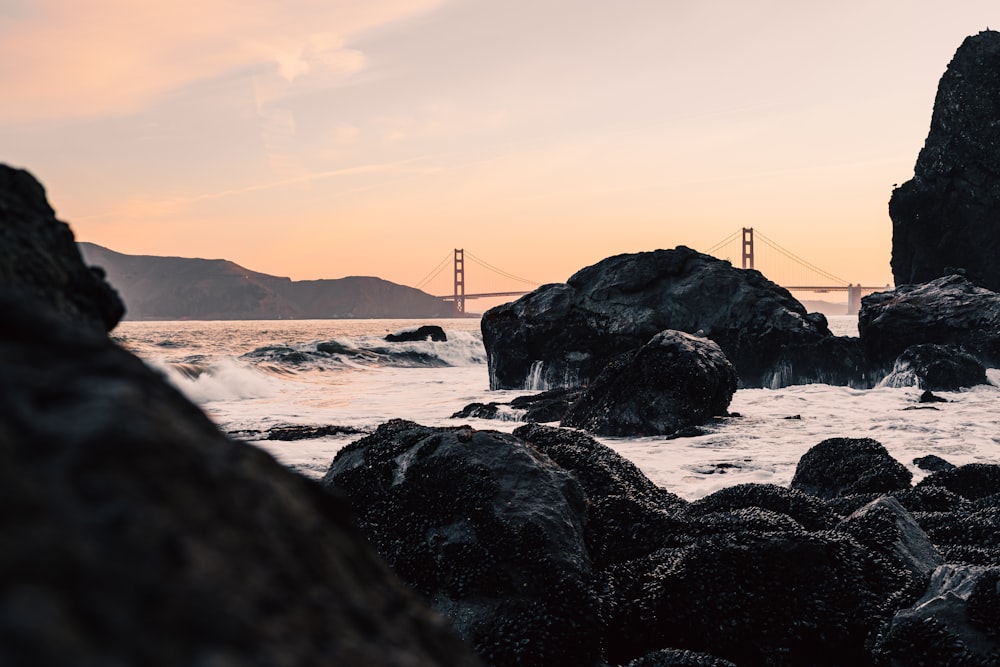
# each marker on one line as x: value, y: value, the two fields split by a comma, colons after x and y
x: 132, y: 532
x: 39, y: 258
x: 674, y: 381
x: 564, y: 334
x: 935, y: 368
x: 176, y: 288
x: 947, y: 216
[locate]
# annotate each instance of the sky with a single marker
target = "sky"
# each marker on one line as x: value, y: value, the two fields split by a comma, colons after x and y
x: 329, y: 138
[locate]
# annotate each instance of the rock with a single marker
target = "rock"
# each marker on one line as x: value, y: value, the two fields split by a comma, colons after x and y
x: 972, y: 481
x: 885, y: 527
x: 848, y: 466
x: 673, y: 382
x: 932, y: 463
x: 287, y: 432
x: 935, y: 368
x: 954, y: 623
x: 548, y: 406
x: 946, y: 311
x: 929, y: 397
x: 430, y: 332
x: 135, y: 533
x: 488, y: 529
x: 627, y: 515
x: 808, y: 511
x: 669, y: 657
x: 945, y: 216
x: 564, y: 334
x: 39, y: 257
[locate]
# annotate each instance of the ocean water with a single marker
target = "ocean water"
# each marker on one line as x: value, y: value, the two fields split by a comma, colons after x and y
x: 250, y: 376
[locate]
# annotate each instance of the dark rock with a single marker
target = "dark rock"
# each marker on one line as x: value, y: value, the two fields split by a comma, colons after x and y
x: 430, y: 332
x: 945, y: 216
x: 564, y: 334
x: 972, y: 481
x: 928, y: 397
x: 848, y: 466
x: 488, y: 529
x: 135, y: 533
x: 38, y: 256
x: 886, y: 528
x: 945, y: 311
x: 288, y: 432
x: 834, y: 360
x: 810, y: 512
x: 548, y: 406
x: 946, y: 626
x: 628, y: 515
x: 674, y: 381
x: 935, y: 368
x: 931, y: 499
x: 978, y: 531
x: 932, y: 463
x: 670, y: 657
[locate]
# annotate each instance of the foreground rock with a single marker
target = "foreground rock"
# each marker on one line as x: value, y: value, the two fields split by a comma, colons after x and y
x: 849, y: 466
x: 945, y: 311
x: 485, y: 527
x: 674, y: 381
x: 564, y: 334
x: 39, y: 257
x: 935, y: 368
x: 944, y: 218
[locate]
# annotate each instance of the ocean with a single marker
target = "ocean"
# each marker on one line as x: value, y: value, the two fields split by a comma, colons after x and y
x: 250, y: 376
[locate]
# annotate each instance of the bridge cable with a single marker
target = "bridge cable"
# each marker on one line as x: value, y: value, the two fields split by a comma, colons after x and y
x: 503, y: 273
x: 434, y: 272
x: 789, y: 254
x: 720, y: 244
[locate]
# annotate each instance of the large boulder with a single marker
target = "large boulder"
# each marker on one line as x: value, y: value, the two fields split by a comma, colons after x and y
x: 848, y: 466
x: 935, y: 368
x: 488, y: 529
x: 132, y: 532
x: 39, y: 257
x: 674, y: 381
x: 945, y: 311
x: 945, y: 217
x: 564, y: 334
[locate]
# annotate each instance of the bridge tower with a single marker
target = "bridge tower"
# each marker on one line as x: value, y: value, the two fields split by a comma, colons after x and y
x: 459, y: 281
x: 853, y: 299
x: 748, y: 247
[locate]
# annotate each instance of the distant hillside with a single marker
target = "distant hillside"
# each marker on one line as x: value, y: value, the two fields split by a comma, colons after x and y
x: 178, y: 288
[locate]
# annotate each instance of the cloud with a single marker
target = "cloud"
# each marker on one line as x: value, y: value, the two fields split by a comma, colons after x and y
x: 86, y: 58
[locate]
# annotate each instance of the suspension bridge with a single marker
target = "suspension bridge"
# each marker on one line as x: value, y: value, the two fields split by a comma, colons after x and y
x: 755, y: 250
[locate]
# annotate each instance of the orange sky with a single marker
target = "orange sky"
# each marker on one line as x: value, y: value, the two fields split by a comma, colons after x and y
x: 325, y: 138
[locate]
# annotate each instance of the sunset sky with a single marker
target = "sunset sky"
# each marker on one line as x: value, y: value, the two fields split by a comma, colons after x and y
x: 327, y: 138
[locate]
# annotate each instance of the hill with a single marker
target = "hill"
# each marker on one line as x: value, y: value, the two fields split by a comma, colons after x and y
x: 179, y: 288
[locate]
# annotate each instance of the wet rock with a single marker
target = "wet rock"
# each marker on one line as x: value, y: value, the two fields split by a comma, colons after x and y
x: 946, y: 311
x: 289, y: 432
x: 932, y: 463
x: 679, y: 658
x: 952, y: 624
x: 135, y: 533
x: 935, y: 368
x: 673, y: 382
x: 548, y: 406
x: 929, y: 397
x: 810, y: 512
x: 849, y: 466
x: 972, y: 481
x: 487, y: 528
x: 39, y: 257
x: 945, y: 216
x: 430, y: 332
x: 564, y: 334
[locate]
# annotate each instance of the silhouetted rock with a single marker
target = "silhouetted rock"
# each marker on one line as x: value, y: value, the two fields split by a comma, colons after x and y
x: 954, y: 623
x: 945, y: 311
x: 39, y: 257
x: 288, y: 432
x: 426, y: 332
x: 927, y: 396
x: 548, y: 406
x: 674, y: 381
x: 134, y: 533
x: 488, y: 529
x: 935, y: 368
x: 932, y: 463
x: 679, y: 658
x: 849, y: 466
x: 944, y: 218
x: 564, y: 334
x: 181, y: 288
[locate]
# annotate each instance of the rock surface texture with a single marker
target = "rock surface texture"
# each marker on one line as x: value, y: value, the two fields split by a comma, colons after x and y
x: 39, y: 257
x: 564, y: 334
x: 674, y: 381
x: 947, y: 216
x: 132, y: 532
x: 935, y: 368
